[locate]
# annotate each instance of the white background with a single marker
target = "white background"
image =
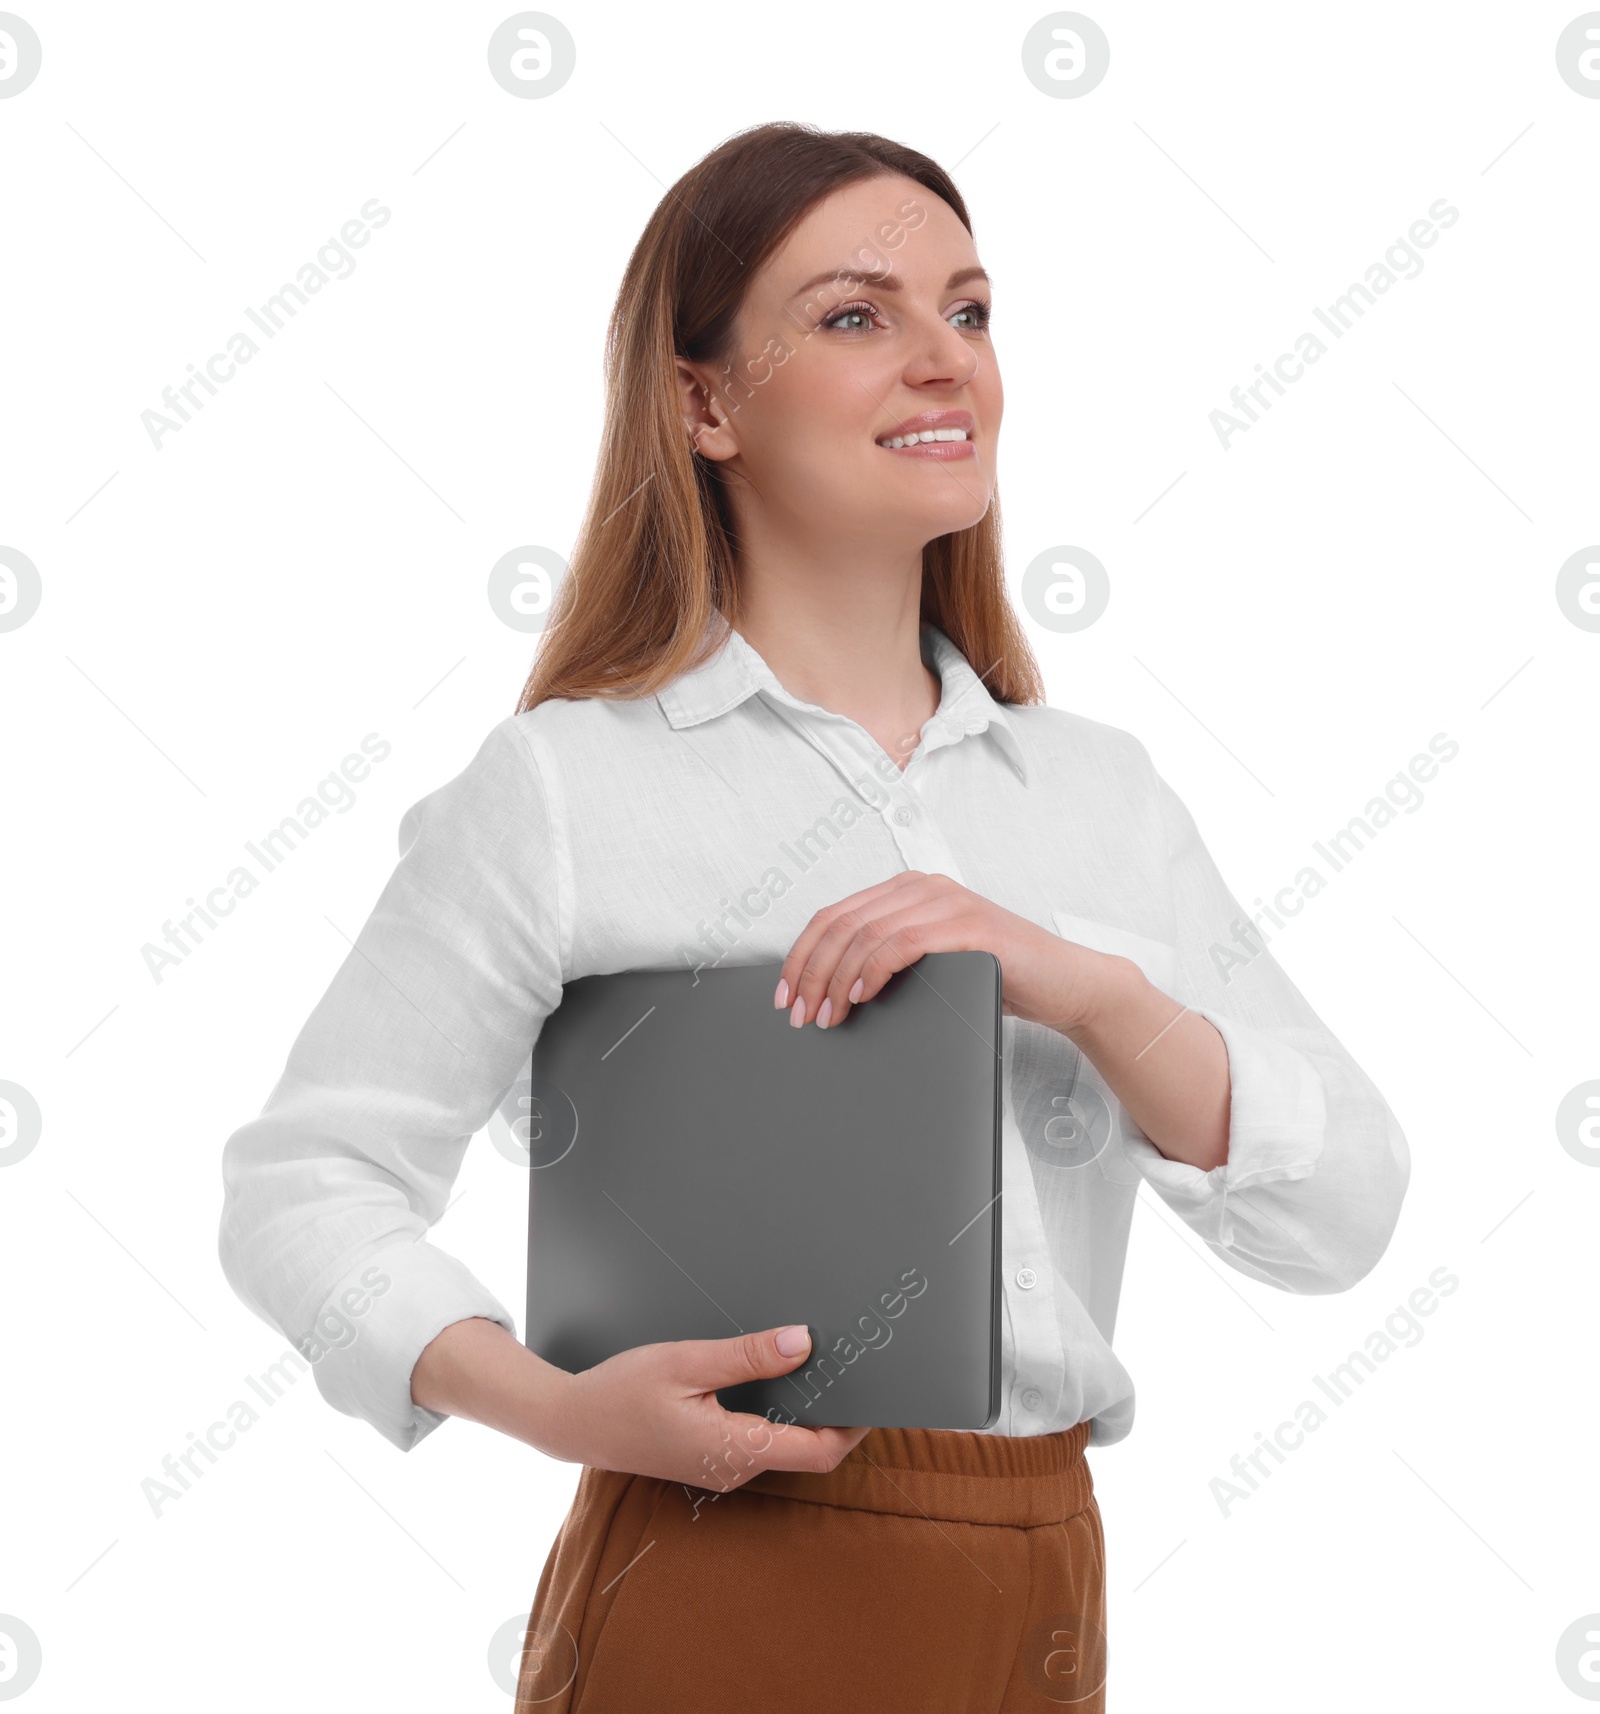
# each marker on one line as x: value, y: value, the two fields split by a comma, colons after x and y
x: 306, y: 562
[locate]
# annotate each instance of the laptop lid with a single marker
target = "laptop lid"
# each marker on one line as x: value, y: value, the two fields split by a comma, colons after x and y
x: 700, y: 1168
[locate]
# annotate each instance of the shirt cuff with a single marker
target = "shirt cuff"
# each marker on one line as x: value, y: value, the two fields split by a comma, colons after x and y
x: 1278, y: 1117
x: 375, y: 1324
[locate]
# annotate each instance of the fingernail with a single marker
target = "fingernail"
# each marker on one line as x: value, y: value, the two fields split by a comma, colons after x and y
x: 793, y: 1340
x: 781, y: 998
x: 855, y: 989
x: 826, y: 1012
x: 797, y: 1012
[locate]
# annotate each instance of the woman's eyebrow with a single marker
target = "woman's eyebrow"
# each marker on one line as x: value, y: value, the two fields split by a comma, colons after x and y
x: 884, y: 282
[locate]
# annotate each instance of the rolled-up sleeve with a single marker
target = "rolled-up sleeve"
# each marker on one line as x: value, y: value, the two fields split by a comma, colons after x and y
x: 1317, y: 1165
x: 427, y: 1024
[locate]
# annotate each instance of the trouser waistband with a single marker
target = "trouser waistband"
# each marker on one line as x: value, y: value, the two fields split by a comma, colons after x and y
x: 1020, y: 1480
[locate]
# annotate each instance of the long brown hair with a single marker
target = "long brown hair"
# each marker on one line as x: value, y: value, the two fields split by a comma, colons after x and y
x: 654, y: 559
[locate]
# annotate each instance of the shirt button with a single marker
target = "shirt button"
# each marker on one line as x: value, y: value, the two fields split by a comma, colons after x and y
x: 1027, y: 1278
x: 903, y: 816
x: 1032, y: 1399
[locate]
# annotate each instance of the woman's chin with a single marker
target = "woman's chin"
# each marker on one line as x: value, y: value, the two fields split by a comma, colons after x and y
x: 944, y: 514
x: 953, y: 519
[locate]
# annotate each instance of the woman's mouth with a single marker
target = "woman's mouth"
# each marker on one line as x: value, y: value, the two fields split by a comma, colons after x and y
x: 941, y: 444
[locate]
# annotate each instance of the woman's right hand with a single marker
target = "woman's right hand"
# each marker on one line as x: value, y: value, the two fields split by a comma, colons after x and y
x: 654, y: 1411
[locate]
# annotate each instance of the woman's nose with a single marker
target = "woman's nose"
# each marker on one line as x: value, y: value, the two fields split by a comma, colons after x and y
x: 942, y: 354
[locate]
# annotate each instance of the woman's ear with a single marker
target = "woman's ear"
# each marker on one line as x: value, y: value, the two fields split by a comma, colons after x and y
x: 705, y: 421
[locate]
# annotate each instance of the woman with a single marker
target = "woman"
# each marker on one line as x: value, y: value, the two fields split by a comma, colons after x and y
x: 785, y: 626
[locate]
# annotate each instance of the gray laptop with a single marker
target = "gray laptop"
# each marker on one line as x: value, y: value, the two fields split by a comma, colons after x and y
x: 700, y: 1168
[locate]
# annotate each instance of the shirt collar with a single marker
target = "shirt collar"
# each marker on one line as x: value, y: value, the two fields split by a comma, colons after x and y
x: 735, y: 671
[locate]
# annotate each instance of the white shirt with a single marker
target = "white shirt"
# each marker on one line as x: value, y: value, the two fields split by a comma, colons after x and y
x: 708, y: 823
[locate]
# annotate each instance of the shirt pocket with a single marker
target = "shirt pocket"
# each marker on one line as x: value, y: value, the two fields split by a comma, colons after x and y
x: 1069, y: 1118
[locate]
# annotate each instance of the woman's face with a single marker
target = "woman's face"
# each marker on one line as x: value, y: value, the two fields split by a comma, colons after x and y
x: 869, y: 323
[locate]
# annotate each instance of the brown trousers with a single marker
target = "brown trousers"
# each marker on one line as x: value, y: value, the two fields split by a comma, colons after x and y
x: 930, y: 1572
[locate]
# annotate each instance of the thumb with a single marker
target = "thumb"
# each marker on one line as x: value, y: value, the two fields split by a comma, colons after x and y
x: 711, y: 1363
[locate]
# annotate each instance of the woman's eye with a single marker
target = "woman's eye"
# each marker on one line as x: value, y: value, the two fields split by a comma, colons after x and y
x: 858, y: 318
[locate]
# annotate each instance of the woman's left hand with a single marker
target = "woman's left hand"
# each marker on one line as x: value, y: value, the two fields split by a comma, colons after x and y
x: 850, y: 949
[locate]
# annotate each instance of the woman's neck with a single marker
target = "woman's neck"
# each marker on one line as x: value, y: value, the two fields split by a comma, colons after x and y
x: 847, y: 637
